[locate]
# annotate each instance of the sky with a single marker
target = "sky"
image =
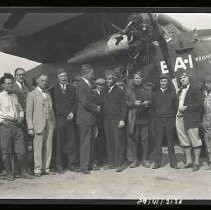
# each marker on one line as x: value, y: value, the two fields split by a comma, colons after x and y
x: 8, y: 63
x: 193, y: 20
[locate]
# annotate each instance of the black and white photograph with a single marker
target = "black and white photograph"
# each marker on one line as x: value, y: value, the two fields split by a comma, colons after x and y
x: 100, y: 105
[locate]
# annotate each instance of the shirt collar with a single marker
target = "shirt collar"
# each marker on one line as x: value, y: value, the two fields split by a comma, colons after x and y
x: 6, y: 93
x: 41, y: 90
x: 187, y: 87
x: 88, y: 83
x: 110, y: 88
x: 19, y: 84
x: 163, y: 89
x: 206, y: 93
x: 63, y: 85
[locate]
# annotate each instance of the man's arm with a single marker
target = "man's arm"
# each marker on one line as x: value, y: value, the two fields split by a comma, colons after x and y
x: 197, y: 103
x: 85, y: 101
x: 29, y: 111
x: 123, y: 105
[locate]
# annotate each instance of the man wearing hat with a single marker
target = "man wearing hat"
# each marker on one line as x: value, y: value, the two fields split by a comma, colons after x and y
x: 164, y: 109
x: 64, y: 104
x: 206, y: 123
x: 100, y: 144
x: 114, y: 110
x: 188, y: 119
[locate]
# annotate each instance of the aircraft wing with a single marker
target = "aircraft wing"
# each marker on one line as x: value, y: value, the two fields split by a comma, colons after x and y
x: 53, y: 37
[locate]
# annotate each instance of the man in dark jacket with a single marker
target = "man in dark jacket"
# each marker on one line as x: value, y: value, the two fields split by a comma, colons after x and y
x: 188, y: 120
x: 115, y: 111
x: 164, y: 109
x: 139, y: 98
x: 86, y: 117
x: 21, y: 89
x: 64, y: 105
x: 100, y: 142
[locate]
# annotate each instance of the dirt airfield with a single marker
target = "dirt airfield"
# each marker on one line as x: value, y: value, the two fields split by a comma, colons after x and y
x: 135, y: 183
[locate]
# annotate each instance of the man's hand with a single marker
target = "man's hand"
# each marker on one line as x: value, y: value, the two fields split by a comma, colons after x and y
x: 145, y: 104
x: 70, y: 116
x: 5, y: 122
x: 31, y: 132
x: 20, y: 120
x: 182, y: 109
x: 98, y: 108
x: 121, y: 124
x: 137, y: 103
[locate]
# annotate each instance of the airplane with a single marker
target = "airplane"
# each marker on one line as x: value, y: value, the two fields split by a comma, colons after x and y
x: 107, y: 39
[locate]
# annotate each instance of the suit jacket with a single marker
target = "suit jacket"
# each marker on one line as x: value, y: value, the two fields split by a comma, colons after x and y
x: 114, y: 104
x: 63, y: 103
x: 35, y: 111
x: 21, y: 93
x: 86, y: 107
x: 192, y: 116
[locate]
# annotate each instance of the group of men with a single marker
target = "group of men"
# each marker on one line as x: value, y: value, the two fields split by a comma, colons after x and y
x: 87, y: 125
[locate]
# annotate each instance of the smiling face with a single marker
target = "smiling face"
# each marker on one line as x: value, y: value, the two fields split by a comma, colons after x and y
x: 63, y: 78
x: 137, y: 79
x: 8, y: 85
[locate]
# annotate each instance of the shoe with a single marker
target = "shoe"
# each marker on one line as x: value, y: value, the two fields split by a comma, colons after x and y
x: 49, y: 173
x: 208, y: 168
x: 133, y: 164
x: 145, y: 164
x: 37, y: 174
x: 95, y: 167
x: 195, y: 167
x: 25, y: 175
x: 2, y: 177
x: 175, y: 167
x: 188, y: 165
x: 72, y: 168
x: 3, y: 173
x: 60, y: 171
x: 77, y: 169
x: 85, y: 171
x: 155, y: 165
x: 10, y: 177
x: 17, y: 176
x: 108, y: 167
x: 120, y: 169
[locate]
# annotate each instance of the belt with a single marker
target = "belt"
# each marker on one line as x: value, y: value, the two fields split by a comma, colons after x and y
x: 11, y: 122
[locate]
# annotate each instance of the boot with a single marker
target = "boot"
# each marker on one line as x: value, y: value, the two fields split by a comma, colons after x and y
x: 145, y: 146
x: 7, y: 165
x: 24, y: 174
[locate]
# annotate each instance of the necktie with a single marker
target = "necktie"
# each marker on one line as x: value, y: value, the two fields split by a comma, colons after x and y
x: 63, y: 88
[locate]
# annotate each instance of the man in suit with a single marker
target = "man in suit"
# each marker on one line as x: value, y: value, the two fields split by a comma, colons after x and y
x: 188, y: 120
x: 41, y: 123
x: 115, y: 111
x: 64, y: 105
x: 100, y: 143
x: 21, y: 89
x: 86, y: 117
x: 11, y: 134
